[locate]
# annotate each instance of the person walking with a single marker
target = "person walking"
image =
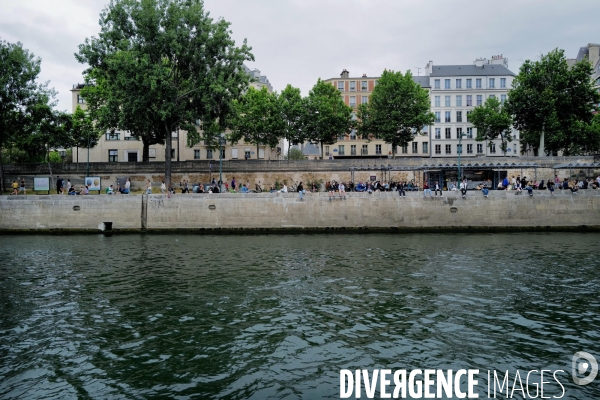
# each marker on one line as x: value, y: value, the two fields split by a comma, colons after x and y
x: 59, y: 184
x: 300, y: 190
x: 163, y: 187
x: 402, y: 189
x: 23, y: 185
x: 148, y: 187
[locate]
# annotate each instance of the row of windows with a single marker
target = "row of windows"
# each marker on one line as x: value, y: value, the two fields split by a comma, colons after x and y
x: 415, y: 148
x: 469, y: 83
x: 437, y: 100
x: 448, y: 133
x: 363, y: 86
x: 364, y: 150
x: 117, y: 136
x: 363, y: 100
x: 448, y: 148
x: 448, y: 116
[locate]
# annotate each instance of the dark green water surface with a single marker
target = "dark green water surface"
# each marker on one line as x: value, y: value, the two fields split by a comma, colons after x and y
x: 277, y: 317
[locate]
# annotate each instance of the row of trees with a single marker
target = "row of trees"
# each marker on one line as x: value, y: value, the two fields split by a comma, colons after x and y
x: 553, y: 106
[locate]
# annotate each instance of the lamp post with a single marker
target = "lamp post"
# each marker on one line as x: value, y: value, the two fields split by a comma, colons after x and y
x: 221, y: 144
x: 88, y: 156
x: 459, y: 152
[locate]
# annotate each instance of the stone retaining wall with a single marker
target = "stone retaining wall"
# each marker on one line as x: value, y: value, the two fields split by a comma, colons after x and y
x: 276, y: 211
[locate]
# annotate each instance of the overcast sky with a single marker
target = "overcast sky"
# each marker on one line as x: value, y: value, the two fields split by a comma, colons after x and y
x: 298, y: 41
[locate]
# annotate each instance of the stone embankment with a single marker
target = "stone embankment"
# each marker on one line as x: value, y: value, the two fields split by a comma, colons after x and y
x: 275, y: 211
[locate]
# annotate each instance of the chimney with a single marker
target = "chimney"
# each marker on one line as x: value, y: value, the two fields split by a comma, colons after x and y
x: 364, y: 75
x: 480, y: 62
x: 345, y: 74
x: 429, y: 68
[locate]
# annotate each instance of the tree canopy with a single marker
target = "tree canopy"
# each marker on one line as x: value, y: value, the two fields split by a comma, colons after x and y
x: 552, y: 104
x: 492, y: 121
x: 162, y: 65
x: 398, y: 109
x: 292, y: 109
x: 327, y: 116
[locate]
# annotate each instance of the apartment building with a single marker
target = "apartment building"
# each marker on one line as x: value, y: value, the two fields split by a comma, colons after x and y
x: 358, y: 90
x: 455, y: 91
x: 120, y: 146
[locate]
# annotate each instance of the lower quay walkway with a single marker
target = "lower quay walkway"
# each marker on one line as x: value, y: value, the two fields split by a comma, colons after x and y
x: 264, y: 212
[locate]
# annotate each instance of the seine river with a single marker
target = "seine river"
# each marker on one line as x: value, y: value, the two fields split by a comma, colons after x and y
x: 278, y: 316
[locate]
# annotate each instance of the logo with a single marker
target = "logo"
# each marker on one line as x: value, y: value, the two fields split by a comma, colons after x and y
x: 589, y: 364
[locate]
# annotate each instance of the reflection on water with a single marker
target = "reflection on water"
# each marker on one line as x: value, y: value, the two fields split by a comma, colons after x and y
x: 260, y: 317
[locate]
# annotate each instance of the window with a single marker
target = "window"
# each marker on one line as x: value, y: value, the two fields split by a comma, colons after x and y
x: 363, y: 86
x: 364, y: 100
x: 326, y: 150
x: 502, y: 98
x: 479, y: 99
x: 222, y: 153
x: 448, y: 118
x: 469, y: 83
x: 447, y: 101
x: 479, y: 148
x: 436, y: 84
x: 458, y: 101
x: 437, y: 101
x: 459, y: 116
x: 438, y: 133
x: 353, y: 150
x: 172, y: 153
x: 353, y: 134
x: 437, y: 116
x: 448, y: 133
x: 209, y: 154
x: 459, y: 133
x: 492, y: 96
x: 469, y: 133
x: 425, y: 147
x: 446, y: 83
x: 469, y: 149
x: 247, y: 154
x: 459, y: 83
x: 113, y: 155
x: 404, y: 149
x: 126, y: 137
x: 196, y: 154
x: 415, y: 147
x: 377, y: 149
x: 352, y: 101
x: 492, y: 83
x: 112, y: 136
x: 341, y: 150
x: 342, y: 136
x: 438, y: 149
x: 353, y: 86
x: 503, y: 83
x: 493, y: 148
x: 80, y: 99
x: 341, y: 86
x: 365, y: 149
x: 468, y: 113
x: 469, y: 100
x: 478, y: 83
x: 448, y: 149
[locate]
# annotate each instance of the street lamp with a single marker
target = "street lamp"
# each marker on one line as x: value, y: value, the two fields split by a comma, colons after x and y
x: 459, y: 152
x: 222, y: 142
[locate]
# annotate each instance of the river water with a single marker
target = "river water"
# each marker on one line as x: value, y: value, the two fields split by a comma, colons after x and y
x: 277, y: 317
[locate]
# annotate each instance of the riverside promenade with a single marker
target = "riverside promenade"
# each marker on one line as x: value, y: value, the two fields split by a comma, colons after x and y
x: 276, y: 212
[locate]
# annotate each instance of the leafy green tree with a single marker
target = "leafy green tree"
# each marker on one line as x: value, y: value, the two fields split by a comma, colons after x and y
x: 292, y: 108
x: 327, y: 116
x: 552, y: 105
x: 163, y: 65
x: 295, y: 154
x: 258, y: 120
x: 492, y: 121
x: 84, y: 131
x: 19, y: 91
x: 397, y: 110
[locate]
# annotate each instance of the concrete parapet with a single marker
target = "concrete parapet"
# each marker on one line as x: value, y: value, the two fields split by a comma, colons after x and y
x: 502, y: 210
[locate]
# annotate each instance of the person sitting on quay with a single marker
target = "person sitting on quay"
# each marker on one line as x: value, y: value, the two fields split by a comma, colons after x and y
x: 342, y: 190
x: 72, y: 191
x: 331, y: 190
x: 542, y: 186
x: 485, y: 190
x: 518, y: 187
x: 245, y: 189
x: 426, y: 190
x: 401, y: 189
x: 109, y: 190
x: 463, y: 188
x: 573, y: 187
x: 438, y: 188
x: 127, y: 188
x: 284, y: 189
x: 551, y: 187
x: 529, y: 189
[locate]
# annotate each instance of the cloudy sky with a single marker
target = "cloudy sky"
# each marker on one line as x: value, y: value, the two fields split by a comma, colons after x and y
x: 298, y: 41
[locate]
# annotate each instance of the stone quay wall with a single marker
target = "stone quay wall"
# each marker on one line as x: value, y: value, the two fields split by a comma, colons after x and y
x: 267, y: 173
x: 502, y: 210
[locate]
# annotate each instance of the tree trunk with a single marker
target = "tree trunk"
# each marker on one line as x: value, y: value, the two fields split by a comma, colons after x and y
x: 168, y: 146
x: 257, y: 151
x: 1, y: 173
x: 77, y: 162
x: 322, y: 154
x: 289, y: 148
x: 146, y: 150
